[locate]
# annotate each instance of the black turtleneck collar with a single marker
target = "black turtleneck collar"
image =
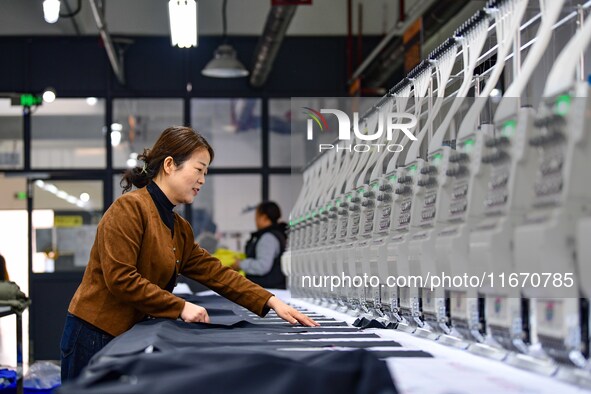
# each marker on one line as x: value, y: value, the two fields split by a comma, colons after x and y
x: 163, y: 205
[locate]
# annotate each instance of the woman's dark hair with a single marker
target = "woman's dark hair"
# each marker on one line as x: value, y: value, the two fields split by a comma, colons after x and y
x: 179, y: 142
x: 3, y: 271
x: 270, y: 209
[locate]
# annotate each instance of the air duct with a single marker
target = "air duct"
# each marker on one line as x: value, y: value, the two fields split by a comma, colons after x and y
x: 276, y: 25
x: 116, y: 62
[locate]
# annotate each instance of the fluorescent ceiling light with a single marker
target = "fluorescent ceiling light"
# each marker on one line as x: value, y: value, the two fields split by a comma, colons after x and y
x: 183, y: 23
x: 51, y: 10
x: 51, y: 188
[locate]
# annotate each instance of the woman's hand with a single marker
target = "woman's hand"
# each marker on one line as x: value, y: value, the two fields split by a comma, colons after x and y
x: 236, y: 265
x: 290, y: 314
x: 194, y: 314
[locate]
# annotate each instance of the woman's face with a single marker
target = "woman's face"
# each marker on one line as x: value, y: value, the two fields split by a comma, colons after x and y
x: 260, y: 220
x: 186, y: 180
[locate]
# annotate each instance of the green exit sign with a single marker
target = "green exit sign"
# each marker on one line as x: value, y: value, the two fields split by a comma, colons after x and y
x: 30, y: 100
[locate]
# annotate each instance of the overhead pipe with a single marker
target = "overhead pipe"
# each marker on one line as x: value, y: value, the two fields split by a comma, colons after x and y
x: 386, y: 65
x: 349, y: 38
x: 115, y: 61
x: 278, y: 21
x: 397, y: 30
x: 359, y: 33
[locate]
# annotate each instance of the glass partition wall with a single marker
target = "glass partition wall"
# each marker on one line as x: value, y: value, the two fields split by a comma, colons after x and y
x: 70, y: 155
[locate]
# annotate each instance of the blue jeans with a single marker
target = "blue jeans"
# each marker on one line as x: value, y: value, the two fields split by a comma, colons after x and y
x: 80, y: 341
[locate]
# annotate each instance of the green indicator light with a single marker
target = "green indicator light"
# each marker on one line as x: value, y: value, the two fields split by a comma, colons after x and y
x: 21, y: 195
x: 361, y: 191
x: 374, y: 186
x: 329, y: 206
x: 29, y: 100
x: 392, y: 178
x: 437, y: 156
x: 321, y: 210
x: 509, y: 128
x: 338, y: 202
x: 468, y: 145
x: 412, y: 168
x: 563, y: 104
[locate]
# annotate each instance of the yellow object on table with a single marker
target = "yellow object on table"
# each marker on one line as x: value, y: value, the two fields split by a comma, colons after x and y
x: 228, y: 257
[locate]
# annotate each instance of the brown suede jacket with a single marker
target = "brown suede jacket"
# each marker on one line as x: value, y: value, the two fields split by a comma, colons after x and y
x: 132, y: 261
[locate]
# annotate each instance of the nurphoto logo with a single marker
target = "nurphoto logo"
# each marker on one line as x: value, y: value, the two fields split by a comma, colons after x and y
x: 389, y: 123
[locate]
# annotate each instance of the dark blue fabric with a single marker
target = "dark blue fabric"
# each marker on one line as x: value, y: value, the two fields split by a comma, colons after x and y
x: 80, y: 341
x: 236, y: 371
x: 239, y: 353
x: 169, y: 336
x: 367, y: 323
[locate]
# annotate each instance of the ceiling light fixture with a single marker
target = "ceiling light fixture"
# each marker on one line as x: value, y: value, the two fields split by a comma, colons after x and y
x: 182, y: 15
x: 224, y: 64
x: 51, y: 10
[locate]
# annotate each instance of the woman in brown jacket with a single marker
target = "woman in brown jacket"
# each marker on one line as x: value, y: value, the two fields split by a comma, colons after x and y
x: 141, y: 246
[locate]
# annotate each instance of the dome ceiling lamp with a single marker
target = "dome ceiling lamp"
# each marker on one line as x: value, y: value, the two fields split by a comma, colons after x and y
x: 225, y: 63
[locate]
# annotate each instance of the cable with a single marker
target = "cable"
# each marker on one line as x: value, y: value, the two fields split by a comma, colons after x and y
x: 561, y: 76
x: 73, y: 13
x: 507, y: 18
x: 443, y: 70
x: 550, y: 14
x: 472, y: 45
x: 224, y: 21
x: 401, y: 102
